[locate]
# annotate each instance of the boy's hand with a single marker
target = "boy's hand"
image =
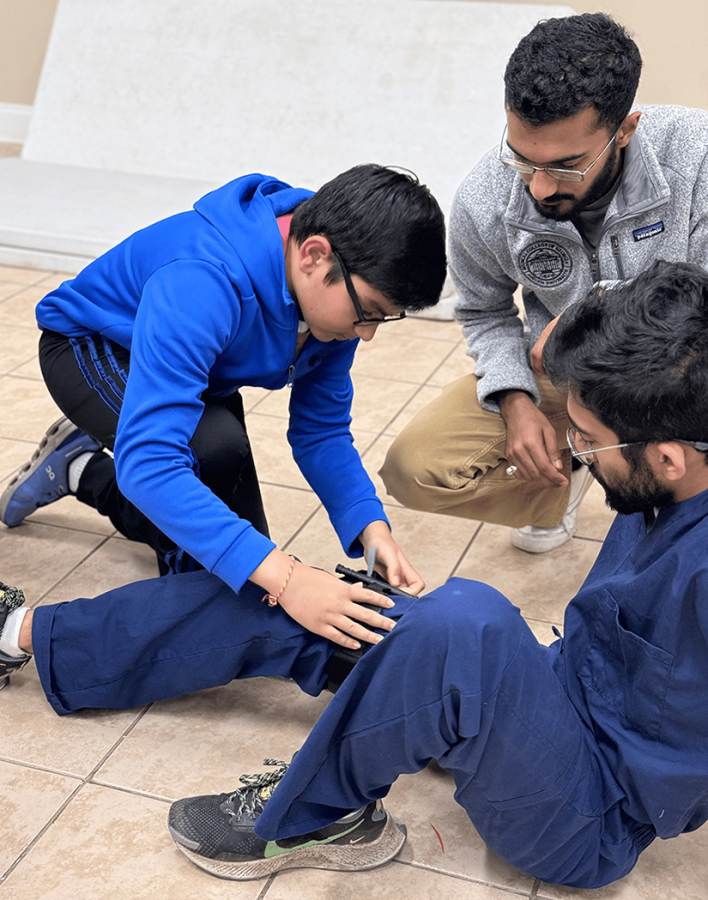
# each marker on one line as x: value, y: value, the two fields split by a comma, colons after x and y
x: 324, y: 604
x: 391, y: 562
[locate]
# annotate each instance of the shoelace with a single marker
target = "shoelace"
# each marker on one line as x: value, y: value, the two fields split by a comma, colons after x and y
x: 257, y: 789
x: 12, y: 597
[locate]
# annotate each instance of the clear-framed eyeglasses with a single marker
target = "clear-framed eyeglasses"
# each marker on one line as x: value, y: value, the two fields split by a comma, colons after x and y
x: 587, y: 457
x: 527, y: 168
x: 361, y: 318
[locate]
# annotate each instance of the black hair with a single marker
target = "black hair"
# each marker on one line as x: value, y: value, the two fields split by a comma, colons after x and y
x: 387, y: 227
x: 564, y: 66
x: 636, y: 354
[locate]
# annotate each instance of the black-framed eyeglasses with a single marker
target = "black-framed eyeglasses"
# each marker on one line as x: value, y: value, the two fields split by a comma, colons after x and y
x: 527, y: 168
x: 361, y: 318
x: 587, y: 457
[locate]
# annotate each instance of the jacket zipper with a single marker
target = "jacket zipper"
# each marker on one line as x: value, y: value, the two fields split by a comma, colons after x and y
x: 618, y: 258
x: 594, y: 268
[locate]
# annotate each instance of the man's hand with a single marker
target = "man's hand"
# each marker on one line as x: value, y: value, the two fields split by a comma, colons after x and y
x: 322, y: 603
x: 391, y: 562
x: 537, y: 351
x: 531, y: 441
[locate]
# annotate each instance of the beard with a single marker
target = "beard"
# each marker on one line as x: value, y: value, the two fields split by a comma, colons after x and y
x: 640, y: 491
x: 600, y: 186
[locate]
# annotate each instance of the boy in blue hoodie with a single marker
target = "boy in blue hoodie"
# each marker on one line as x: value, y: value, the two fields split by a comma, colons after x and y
x: 144, y: 352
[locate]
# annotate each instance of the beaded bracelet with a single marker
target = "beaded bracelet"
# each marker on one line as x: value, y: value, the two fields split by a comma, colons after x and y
x: 273, y: 601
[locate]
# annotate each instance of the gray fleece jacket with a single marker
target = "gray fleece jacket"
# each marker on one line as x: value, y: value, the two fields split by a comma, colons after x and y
x: 499, y: 240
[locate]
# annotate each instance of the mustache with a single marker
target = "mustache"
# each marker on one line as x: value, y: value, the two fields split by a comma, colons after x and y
x: 554, y: 198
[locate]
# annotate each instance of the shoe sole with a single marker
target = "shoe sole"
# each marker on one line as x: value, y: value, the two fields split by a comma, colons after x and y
x: 340, y: 857
x: 52, y: 440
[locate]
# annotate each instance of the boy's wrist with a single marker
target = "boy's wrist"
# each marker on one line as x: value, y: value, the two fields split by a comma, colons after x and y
x: 377, y: 527
x: 271, y: 573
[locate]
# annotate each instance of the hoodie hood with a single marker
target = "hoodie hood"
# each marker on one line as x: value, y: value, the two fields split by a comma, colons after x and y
x: 247, y: 208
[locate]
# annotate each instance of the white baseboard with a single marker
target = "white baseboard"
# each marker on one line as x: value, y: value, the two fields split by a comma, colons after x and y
x: 14, y: 122
x: 41, y: 259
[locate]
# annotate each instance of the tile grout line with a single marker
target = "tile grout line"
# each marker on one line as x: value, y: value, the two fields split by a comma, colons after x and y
x: 22, y: 377
x: 20, y: 289
x: 465, y: 551
x: 24, y: 363
x: 301, y: 527
x: 84, y: 781
x: 35, y: 767
x: 421, y: 385
x: 74, y: 567
x: 40, y: 834
x: 467, y: 879
x: 73, y: 530
x: 267, y: 886
x: 139, y: 717
x: 133, y: 792
x: 289, y: 487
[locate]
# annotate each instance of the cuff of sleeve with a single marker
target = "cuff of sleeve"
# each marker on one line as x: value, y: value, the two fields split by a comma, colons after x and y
x: 489, y: 387
x: 244, y: 555
x: 359, y: 517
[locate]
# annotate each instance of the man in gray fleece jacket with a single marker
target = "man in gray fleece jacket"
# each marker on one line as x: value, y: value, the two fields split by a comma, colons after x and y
x: 582, y: 188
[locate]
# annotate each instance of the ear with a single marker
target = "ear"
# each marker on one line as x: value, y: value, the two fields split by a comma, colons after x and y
x: 627, y: 128
x: 670, y: 460
x: 313, y: 252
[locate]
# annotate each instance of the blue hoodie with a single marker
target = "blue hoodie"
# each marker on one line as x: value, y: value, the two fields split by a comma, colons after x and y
x: 201, y: 301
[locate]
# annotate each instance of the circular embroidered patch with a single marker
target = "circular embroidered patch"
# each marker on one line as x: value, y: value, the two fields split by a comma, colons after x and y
x: 546, y: 264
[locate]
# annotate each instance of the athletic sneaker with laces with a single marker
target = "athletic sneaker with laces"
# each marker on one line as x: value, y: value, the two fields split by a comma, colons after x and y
x: 10, y: 598
x: 541, y: 540
x: 44, y: 478
x: 216, y: 833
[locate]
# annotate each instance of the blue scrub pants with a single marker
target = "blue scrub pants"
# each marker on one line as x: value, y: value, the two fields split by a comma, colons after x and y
x: 460, y: 679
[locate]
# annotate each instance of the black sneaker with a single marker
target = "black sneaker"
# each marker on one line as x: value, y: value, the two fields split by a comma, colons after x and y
x: 216, y: 833
x: 10, y: 598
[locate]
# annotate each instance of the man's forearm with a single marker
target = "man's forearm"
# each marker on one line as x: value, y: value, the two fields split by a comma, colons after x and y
x: 508, y: 401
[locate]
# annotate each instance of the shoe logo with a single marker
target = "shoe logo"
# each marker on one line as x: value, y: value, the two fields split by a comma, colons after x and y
x: 273, y: 849
x: 356, y: 840
x: 50, y: 473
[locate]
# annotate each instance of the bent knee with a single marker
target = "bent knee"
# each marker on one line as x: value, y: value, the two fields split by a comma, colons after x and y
x: 466, y: 607
x: 408, y: 471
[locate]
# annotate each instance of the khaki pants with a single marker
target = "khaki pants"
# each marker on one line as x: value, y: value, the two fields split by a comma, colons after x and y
x: 450, y: 459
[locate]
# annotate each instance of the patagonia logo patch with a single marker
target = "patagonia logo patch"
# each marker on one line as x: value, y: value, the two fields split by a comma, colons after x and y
x: 546, y: 264
x: 641, y: 234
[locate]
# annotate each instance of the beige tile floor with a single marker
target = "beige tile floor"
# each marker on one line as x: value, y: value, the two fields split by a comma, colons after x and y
x: 85, y: 797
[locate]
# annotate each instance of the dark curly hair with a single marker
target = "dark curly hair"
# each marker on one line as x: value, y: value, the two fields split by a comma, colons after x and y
x: 636, y: 354
x: 566, y: 65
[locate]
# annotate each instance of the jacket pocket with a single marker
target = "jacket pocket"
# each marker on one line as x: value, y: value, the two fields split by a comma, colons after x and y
x: 628, y: 673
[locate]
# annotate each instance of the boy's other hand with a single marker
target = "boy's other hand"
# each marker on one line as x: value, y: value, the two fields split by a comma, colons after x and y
x: 391, y: 562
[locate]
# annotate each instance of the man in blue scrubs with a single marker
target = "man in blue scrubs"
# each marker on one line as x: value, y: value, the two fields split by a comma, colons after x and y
x: 569, y: 760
